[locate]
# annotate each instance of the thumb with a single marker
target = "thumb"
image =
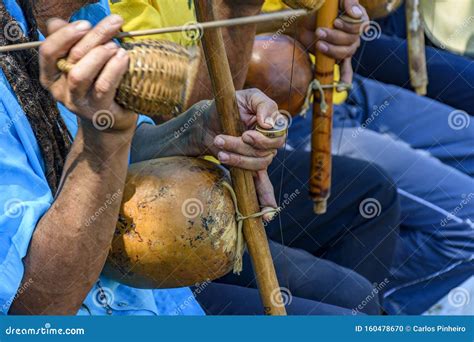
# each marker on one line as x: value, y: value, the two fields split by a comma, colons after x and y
x: 353, y: 9
x: 265, y: 192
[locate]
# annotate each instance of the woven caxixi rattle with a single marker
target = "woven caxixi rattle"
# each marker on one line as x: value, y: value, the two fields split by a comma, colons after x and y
x: 159, y: 79
x: 310, y: 5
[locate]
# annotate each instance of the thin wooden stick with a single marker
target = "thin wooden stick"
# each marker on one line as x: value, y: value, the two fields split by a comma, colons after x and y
x: 320, y: 177
x: 261, y: 18
x: 242, y: 181
x: 416, y: 47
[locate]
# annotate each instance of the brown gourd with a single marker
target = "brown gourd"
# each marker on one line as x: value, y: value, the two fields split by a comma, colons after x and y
x: 272, y: 69
x: 177, y: 225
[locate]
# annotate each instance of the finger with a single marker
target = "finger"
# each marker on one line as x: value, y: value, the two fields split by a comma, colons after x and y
x: 337, y: 37
x: 82, y: 75
x: 109, y: 80
x: 264, y: 108
x: 57, y: 46
x: 259, y: 141
x: 100, y: 34
x: 350, y: 28
x: 265, y: 193
x: 54, y: 24
x: 346, y: 71
x: 337, y: 52
x: 244, y: 162
x: 227, y: 143
x: 353, y: 9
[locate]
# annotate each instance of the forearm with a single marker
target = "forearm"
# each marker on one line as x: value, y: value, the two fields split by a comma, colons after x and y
x: 184, y: 135
x: 238, y: 41
x: 70, y: 243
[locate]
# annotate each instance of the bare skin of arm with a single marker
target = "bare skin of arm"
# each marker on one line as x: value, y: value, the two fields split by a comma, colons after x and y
x: 68, y: 250
x: 66, y: 254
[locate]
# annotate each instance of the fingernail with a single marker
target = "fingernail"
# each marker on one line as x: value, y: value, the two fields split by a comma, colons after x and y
x: 270, y: 121
x: 321, y: 33
x: 323, y: 47
x: 111, y: 46
x: 356, y: 11
x: 338, y: 24
x: 121, y: 53
x: 83, y: 25
x: 223, y: 157
x: 219, y: 142
x: 115, y: 19
x: 248, y: 139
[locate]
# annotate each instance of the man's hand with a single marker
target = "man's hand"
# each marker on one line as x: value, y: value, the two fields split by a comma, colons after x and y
x: 89, y: 88
x: 340, y: 43
x: 252, y: 151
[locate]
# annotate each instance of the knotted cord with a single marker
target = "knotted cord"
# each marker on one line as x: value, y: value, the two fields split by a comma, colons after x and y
x: 240, y: 244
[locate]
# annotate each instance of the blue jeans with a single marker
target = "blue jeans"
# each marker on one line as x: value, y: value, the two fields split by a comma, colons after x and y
x: 326, y: 258
x: 310, y: 286
x: 432, y: 162
x: 451, y: 77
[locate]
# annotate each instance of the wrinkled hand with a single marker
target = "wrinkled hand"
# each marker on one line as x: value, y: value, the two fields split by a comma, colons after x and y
x: 339, y: 43
x: 252, y: 151
x: 89, y: 88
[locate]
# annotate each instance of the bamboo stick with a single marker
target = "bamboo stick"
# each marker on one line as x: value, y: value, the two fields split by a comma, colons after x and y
x: 261, y: 18
x: 242, y: 180
x: 416, y: 48
x: 320, y: 177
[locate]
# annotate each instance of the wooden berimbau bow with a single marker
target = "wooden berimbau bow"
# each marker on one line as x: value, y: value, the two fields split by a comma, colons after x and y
x: 243, y: 183
x: 416, y: 47
x: 320, y: 177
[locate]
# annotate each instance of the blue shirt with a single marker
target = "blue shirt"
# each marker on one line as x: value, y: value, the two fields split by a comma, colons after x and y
x: 25, y: 197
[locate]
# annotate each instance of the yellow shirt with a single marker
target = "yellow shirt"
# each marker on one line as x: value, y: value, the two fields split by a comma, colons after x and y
x: 273, y: 5
x: 147, y: 14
